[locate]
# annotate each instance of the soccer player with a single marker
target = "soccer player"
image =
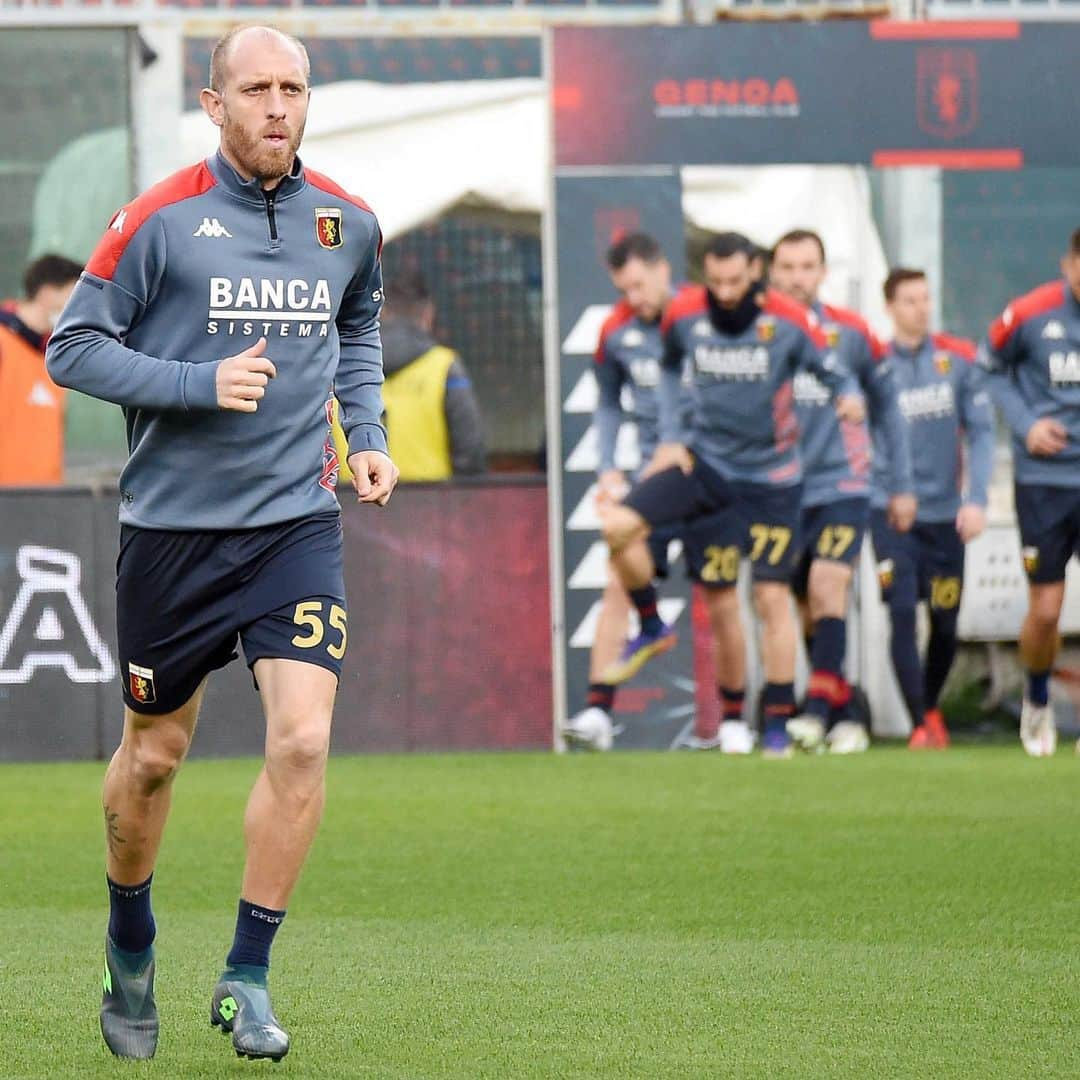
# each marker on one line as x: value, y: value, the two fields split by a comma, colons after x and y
x: 1032, y: 357
x: 836, y: 489
x: 627, y: 356
x: 946, y: 408
x: 222, y: 309
x: 744, y: 344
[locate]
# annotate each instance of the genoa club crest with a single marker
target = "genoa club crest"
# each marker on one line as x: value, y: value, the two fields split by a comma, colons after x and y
x: 766, y: 329
x: 942, y: 363
x: 947, y: 89
x: 328, y: 226
x: 141, y: 684
x: 832, y: 336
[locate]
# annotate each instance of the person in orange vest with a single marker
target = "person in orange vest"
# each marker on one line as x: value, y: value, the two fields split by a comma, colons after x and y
x: 31, y: 404
x: 432, y: 418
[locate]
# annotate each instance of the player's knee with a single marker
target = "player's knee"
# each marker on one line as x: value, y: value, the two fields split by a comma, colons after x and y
x: 301, y: 746
x: 1044, y: 611
x: 621, y: 526
x: 772, y: 602
x: 156, y: 758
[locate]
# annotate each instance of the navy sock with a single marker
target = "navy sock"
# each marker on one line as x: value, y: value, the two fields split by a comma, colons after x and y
x: 905, y: 658
x: 731, y: 702
x: 940, y: 653
x: 601, y: 696
x: 644, y: 599
x: 827, y: 662
x: 778, y: 704
x: 1039, y: 687
x: 131, y: 922
x: 255, y: 930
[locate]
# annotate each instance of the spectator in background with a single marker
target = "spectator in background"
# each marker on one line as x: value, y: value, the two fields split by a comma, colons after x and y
x: 31, y: 404
x: 432, y: 417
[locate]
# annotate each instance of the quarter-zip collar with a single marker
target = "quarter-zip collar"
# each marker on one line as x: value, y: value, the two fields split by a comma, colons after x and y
x: 251, y: 191
x: 910, y: 354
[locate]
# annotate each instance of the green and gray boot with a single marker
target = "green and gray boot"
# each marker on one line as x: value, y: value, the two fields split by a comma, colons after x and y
x: 129, y: 1016
x: 241, y: 1004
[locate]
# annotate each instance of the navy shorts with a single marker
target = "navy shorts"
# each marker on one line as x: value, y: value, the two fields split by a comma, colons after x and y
x: 1049, y: 519
x: 184, y: 599
x: 926, y: 563
x: 833, y: 532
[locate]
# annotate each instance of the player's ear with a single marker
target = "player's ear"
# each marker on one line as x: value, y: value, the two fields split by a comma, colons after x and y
x: 212, y: 105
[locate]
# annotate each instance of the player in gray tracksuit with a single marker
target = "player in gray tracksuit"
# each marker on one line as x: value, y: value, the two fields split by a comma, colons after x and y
x: 1032, y: 360
x: 836, y: 490
x: 221, y: 310
x: 946, y: 407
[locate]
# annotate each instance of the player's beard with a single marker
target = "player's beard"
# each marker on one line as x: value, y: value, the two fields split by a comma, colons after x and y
x: 261, y: 161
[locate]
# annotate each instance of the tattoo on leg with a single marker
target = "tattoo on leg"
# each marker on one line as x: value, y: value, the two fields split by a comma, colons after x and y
x: 112, y: 831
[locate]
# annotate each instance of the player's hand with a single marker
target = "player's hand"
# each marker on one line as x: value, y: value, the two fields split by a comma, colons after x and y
x: 667, y: 456
x: 611, y: 486
x: 242, y: 379
x: 374, y: 476
x: 1046, y: 437
x: 851, y: 407
x: 901, y: 511
x: 970, y: 521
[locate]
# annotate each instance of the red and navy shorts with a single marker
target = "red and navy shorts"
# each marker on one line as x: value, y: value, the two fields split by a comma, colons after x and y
x: 185, y: 600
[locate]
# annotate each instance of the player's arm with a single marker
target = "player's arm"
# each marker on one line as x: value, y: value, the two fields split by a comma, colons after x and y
x: 977, y: 420
x: 359, y: 379
x: 998, y: 357
x: 608, y: 416
x: 87, y: 352
x: 672, y: 449
x: 883, y: 403
x: 813, y: 354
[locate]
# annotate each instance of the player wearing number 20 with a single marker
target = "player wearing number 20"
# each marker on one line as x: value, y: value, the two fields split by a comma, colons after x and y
x: 222, y: 310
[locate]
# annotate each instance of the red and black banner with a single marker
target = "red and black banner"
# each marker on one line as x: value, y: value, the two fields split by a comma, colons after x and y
x: 976, y: 95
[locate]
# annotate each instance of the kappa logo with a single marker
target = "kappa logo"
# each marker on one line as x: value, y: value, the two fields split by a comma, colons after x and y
x: 1053, y: 331
x: 633, y: 338
x: 213, y: 228
x: 702, y: 328
x: 118, y: 222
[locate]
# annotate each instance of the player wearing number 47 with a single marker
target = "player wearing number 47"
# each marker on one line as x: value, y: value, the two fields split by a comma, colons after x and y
x: 230, y: 523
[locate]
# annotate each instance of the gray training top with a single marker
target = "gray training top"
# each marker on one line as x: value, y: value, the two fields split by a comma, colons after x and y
x: 196, y: 269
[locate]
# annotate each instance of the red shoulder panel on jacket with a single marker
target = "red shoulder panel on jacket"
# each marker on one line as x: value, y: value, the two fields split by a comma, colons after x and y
x: 1037, y: 302
x: 852, y: 319
x: 689, y: 300
x: 619, y: 315
x: 963, y: 347
x: 783, y: 307
x: 188, y: 183
x: 324, y: 183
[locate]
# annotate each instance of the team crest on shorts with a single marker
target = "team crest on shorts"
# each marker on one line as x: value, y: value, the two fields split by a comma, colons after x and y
x: 766, y: 329
x: 328, y: 227
x: 886, y: 572
x: 1031, y: 559
x: 942, y: 363
x: 141, y: 684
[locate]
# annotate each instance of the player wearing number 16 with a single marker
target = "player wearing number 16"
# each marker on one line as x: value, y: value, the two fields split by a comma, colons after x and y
x: 222, y: 310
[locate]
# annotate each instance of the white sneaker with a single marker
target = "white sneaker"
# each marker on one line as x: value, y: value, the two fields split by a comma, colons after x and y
x: 1037, y: 731
x: 591, y: 729
x: 807, y: 733
x: 848, y: 737
x: 736, y: 737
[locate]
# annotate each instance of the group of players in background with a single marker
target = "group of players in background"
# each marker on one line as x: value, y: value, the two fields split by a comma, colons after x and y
x: 776, y: 429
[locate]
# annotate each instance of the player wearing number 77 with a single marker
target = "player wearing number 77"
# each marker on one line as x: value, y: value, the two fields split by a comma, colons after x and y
x: 739, y: 460
x: 230, y: 525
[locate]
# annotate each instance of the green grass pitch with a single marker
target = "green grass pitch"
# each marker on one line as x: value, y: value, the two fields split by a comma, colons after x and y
x: 630, y: 915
